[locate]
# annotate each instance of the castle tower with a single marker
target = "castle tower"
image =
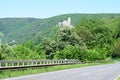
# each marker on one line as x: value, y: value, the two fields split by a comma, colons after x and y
x: 69, y: 21
x: 66, y: 23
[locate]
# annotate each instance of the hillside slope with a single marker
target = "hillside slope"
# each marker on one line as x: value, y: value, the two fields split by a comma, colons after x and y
x: 24, y: 29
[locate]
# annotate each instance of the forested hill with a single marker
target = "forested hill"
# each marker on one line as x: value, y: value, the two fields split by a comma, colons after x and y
x: 24, y: 29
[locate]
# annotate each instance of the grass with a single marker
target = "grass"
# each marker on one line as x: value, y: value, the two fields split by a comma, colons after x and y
x: 116, y: 60
x: 29, y: 71
x: 118, y: 78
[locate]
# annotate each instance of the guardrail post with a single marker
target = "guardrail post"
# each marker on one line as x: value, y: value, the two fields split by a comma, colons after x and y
x: 40, y: 62
x: 18, y: 64
x: 47, y: 62
x: 23, y: 64
x: 12, y: 64
x: 6, y: 64
x: 0, y: 65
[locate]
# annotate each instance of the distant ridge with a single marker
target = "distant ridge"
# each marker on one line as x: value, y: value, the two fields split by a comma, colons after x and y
x: 24, y: 29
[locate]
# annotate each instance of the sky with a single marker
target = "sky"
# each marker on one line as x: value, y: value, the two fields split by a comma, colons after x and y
x: 49, y: 8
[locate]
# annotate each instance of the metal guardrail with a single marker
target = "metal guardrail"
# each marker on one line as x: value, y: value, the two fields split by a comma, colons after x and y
x: 17, y: 64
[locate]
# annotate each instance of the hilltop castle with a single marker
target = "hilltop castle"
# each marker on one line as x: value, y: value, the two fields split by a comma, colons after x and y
x: 66, y: 23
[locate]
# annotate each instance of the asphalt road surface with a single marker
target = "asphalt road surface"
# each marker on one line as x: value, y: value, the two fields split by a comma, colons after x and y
x: 101, y: 72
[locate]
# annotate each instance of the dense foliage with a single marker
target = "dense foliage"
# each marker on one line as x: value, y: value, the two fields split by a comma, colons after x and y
x: 94, y: 37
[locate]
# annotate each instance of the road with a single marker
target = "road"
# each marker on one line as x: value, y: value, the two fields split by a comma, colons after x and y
x: 100, y: 72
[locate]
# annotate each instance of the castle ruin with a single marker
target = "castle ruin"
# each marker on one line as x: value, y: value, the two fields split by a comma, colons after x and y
x: 66, y: 23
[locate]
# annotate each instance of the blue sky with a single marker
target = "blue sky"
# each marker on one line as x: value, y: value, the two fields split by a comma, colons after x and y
x: 49, y: 8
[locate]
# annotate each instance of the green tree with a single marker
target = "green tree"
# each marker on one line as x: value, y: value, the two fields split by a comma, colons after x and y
x: 85, y: 35
x: 67, y: 36
x: 40, y: 50
x: 23, y: 52
x: 30, y: 45
x: 5, y: 52
x: 71, y: 52
x: 50, y: 48
x: 116, y: 49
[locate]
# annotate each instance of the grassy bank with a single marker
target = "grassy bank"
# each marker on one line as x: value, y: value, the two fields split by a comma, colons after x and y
x: 29, y: 71
x: 118, y: 78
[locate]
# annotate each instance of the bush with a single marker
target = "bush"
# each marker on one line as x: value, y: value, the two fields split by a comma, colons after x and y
x: 70, y: 52
x: 75, y: 52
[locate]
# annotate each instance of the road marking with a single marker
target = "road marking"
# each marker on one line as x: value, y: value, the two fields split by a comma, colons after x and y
x: 116, y: 76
